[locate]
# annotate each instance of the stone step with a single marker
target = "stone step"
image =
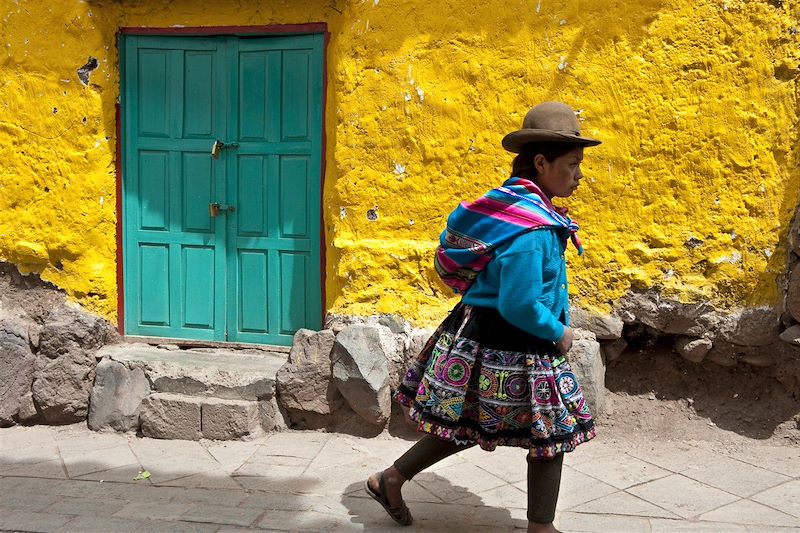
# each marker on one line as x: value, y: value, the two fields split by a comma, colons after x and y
x: 185, y: 394
x: 219, y: 373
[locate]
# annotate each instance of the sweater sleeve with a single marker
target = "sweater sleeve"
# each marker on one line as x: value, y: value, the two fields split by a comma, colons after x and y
x: 520, y: 291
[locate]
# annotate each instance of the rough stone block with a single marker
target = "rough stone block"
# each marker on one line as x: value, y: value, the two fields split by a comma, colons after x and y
x: 17, y: 365
x: 304, y: 381
x: 360, y: 372
x: 69, y: 328
x: 27, y: 409
x: 793, y: 294
x: 229, y: 419
x: 669, y: 316
x: 417, y: 341
x: 587, y: 363
x: 613, y: 350
x: 694, y: 350
x: 62, y: 385
x: 794, y: 234
x: 757, y: 326
x: 273, y: 418
x: 604, y: 327
x: 171, y: 416
x: 792, y: 335
x: 727, y: 354
x: 217, y: 373
x: 116, y: 396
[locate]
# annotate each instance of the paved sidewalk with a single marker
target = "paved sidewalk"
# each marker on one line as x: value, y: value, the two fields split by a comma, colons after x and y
x: 72, y: 479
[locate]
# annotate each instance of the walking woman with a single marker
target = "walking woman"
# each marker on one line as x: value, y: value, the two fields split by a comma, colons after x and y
x: 495, y: 372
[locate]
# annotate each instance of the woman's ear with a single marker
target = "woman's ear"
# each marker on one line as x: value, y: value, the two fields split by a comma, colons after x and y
x: 538, y: 163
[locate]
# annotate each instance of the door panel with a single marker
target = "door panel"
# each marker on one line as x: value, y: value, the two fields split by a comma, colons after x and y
x: 153, y: 190
x: 294, y: 197
x: 252, y: 197
x: 251, y: 274
x: 154, y: 283
x: 174, y: 252
x: 277, y: 170
x: 293, y: 270
x: 198, y: 192
x: 198, y: 269
x: 253, y: 309
x: 153, y: 92
x: 198, y: 103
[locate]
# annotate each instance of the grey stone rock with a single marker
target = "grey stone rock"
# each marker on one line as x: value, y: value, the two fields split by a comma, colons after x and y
x: 304, y: 381
x: 613, y: 350
x: 220, y: 373
x: 230, y: 419
x: 604, y: 327
x: 794, y: 234
x: 763, y: 358
x: 171, y: 416
x: 757, y: 326
x: 34, y: 332
x: 61, y: 386
x: 27, y: 409
x: 273, y: 418
x: 17, y: 365
x: 68, y: 328
x: 694, y: 350
x: 669, y: 316
x: 727, y: 354
x: 396, y: 324
x: 723, y: 355
x: 360, y: 368
x: 587, y: 363
x: 791, y: 335
x: 116, y: 397
x: 793, y: 294
x: 417, y: 341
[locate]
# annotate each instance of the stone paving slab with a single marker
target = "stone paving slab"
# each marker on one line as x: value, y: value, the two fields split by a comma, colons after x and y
x: 71, y: 479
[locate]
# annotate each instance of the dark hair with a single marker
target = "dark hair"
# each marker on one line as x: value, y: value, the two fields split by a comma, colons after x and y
x: 523, y: 166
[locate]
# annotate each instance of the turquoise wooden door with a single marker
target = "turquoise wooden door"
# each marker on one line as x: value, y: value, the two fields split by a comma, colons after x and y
x: 252, y: 272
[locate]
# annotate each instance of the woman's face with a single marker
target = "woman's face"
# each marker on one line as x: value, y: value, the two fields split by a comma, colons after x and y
x: 559, y: 177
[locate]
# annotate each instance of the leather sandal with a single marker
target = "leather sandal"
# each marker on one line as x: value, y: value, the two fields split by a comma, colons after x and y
x: 399, y: 514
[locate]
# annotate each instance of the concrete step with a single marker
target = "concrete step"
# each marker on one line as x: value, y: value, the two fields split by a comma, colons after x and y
x: 187, y: 394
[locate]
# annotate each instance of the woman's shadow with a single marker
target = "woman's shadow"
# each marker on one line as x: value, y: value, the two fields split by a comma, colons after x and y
x: 436, y: 505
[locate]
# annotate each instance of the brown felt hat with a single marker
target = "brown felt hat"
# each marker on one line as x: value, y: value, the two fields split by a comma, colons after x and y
x: 548, y: 122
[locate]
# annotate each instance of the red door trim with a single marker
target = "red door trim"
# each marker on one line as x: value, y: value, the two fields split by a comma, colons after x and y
x: 312, y: 27
x: 267, y: 30
x: 120, y: 266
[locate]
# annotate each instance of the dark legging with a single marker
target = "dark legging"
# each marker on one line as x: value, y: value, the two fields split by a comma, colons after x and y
x: 544, y: 475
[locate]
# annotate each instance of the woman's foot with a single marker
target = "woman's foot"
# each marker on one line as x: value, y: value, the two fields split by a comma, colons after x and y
x: 393, y: 483
x: 534, y: 527
x: 384, y: 487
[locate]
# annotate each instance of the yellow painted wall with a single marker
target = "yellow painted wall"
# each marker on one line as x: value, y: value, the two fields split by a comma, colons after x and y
x: 696, y: 101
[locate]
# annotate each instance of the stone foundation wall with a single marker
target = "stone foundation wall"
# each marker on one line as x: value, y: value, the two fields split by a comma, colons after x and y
x: 47, y: 348
x: 56, y: 365
x: 353, y: 368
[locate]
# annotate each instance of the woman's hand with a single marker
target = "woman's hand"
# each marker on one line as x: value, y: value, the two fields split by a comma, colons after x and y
x: 564, y: 344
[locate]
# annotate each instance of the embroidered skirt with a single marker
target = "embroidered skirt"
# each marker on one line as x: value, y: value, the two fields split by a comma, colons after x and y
x: 480, y: 379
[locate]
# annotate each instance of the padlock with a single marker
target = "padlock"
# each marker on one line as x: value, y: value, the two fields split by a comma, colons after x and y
x: 215, y: 149
x: 213, y: 209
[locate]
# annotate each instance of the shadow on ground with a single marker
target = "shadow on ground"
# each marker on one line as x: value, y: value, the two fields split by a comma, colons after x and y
x: 464, y: 511
x: 744, y: 399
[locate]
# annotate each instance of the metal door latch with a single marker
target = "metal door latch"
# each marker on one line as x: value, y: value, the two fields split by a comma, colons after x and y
x: 219, y: 146
x: 216, y: 208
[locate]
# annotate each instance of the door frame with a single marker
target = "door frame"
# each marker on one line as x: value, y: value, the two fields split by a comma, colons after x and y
x: 200, y: 31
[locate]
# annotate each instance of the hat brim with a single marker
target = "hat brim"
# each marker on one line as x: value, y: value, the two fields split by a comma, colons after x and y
x: 514, y: 141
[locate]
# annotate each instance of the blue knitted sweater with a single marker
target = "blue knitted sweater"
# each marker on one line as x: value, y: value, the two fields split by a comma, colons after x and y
x: 526, y: 281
